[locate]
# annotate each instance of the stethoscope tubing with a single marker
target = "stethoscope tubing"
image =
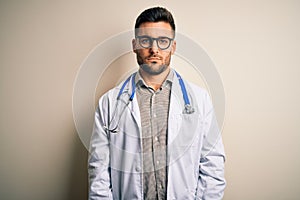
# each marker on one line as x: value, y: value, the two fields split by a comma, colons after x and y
x: 188, y: 109
x: 181, y: 83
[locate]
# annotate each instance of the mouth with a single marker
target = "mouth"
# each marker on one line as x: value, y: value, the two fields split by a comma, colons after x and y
x: 153, y: 59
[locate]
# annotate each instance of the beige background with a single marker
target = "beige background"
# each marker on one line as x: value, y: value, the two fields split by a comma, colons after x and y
x: 254, y: 44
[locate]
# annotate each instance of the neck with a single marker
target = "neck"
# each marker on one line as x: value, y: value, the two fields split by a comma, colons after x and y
x: 154, y: 81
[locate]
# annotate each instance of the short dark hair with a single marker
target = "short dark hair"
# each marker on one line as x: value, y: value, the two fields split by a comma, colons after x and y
x: 155, y: 14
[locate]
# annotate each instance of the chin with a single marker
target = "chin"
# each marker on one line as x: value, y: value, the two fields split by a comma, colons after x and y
x: 153, y: 69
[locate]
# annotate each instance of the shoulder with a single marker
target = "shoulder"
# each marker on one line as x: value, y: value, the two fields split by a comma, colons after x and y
x: 197, y: 90
x: 112, y: 94
x: 190, y: 87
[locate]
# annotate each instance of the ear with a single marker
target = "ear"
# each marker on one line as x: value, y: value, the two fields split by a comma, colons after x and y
x: 173, y: 47
x: 133, y: 42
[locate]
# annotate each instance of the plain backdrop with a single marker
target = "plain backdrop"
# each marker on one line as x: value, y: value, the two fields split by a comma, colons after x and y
x: 255, y: 46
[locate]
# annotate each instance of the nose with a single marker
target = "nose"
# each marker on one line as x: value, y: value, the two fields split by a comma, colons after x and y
x: 154, y: 48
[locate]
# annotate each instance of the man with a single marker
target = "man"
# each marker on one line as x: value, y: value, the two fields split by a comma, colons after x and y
x: 155, y: 135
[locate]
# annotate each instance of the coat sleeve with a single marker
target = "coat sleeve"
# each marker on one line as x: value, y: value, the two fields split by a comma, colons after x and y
x: 99, y: 162
x: 211, y: 181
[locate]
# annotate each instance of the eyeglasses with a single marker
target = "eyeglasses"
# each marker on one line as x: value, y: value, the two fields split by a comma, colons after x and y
x: 162, y: 42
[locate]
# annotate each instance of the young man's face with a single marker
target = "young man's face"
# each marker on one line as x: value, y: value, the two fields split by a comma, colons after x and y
x: 154, y: 56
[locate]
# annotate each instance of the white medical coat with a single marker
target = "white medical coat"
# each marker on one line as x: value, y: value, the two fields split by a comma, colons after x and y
x: 195, y: 150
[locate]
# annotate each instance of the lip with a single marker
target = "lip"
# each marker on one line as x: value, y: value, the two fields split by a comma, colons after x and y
x: 153, y: 59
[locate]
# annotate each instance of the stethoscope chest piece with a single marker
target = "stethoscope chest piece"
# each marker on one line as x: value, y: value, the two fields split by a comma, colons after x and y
x: 188, y: 109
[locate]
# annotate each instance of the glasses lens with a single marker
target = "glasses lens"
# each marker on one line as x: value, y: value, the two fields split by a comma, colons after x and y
x: 145, y: 42
x: 163, y: 42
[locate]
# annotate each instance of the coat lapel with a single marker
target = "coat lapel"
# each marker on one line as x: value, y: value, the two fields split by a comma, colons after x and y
x: 175, y: 110
x: 135, y: 112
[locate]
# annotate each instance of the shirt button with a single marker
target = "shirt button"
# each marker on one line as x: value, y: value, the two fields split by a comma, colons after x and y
x: 137, y: 168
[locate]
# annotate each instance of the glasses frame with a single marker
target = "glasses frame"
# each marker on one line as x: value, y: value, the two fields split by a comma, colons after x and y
x: 152, y: 39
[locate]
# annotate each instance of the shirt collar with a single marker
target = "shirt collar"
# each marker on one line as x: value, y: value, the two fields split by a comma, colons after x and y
x: 139, y: 81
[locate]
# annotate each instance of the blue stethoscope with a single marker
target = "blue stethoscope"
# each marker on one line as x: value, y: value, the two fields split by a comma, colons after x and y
x: 188, y: 109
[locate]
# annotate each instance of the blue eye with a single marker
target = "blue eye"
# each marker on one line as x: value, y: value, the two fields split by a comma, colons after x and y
x: 163, y: 41
x: 145, y: 40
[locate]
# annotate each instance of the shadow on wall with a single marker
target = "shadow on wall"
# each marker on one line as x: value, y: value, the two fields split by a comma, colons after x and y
x: 78, y: 176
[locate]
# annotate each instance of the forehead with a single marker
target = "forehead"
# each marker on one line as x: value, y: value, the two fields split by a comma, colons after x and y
x: 155, y: 29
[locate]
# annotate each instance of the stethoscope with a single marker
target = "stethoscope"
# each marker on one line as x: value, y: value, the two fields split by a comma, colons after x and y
x: 188, y: 109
